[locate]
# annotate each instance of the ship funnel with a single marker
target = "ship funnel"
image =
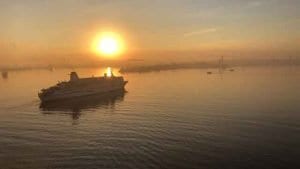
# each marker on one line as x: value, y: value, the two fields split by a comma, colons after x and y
x: 73, y: 76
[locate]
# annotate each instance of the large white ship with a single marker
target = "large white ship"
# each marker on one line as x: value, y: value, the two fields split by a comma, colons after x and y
x: 77, y: 87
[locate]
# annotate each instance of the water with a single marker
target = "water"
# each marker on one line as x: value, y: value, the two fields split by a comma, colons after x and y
x: 249, y: 118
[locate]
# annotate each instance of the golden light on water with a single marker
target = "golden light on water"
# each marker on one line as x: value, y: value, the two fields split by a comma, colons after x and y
x: 108, y: 45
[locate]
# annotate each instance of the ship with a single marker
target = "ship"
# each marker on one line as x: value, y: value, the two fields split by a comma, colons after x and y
x: 81, y: 87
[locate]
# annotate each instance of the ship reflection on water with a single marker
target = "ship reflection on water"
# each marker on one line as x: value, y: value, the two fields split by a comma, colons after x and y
x: 75, y: 106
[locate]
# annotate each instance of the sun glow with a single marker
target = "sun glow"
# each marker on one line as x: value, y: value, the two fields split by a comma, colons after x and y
x: 109, y: 72
x: 108, y: 45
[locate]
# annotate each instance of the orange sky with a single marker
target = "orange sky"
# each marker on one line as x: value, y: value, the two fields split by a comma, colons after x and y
x: 39, y: 30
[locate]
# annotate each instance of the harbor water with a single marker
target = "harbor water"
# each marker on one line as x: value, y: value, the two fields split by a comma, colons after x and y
x: 247, y: 118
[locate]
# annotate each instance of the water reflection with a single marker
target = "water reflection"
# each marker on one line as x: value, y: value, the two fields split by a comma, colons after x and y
x: 74, y: 106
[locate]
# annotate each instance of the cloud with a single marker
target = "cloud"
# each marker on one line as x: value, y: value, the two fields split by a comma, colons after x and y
x: 200, y: 32
x: 254, y: 3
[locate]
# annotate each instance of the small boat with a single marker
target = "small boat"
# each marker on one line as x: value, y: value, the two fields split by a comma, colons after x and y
x: 4, y: 74
x: 209, y: 73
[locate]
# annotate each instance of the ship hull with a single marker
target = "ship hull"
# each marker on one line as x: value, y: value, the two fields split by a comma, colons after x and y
x: 83, y: 102
x: 80, y: 93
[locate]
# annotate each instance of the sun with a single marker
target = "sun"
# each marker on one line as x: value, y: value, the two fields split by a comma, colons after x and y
x: 108, y: 44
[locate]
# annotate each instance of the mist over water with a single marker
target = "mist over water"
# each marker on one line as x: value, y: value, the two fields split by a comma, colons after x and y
x: 248, y: 118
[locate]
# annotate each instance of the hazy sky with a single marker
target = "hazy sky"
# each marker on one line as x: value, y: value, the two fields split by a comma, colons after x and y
x: 40, y: 28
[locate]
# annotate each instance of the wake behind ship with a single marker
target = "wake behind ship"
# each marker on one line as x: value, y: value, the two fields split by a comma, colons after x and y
x: 78, y: 87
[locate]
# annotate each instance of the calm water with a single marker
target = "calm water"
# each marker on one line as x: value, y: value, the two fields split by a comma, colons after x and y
x: 249, y: 118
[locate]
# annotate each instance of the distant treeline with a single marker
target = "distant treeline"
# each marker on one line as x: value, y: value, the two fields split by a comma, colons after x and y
x: 144, y: 66
x: 221, y: 64
x: 171, y: 66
